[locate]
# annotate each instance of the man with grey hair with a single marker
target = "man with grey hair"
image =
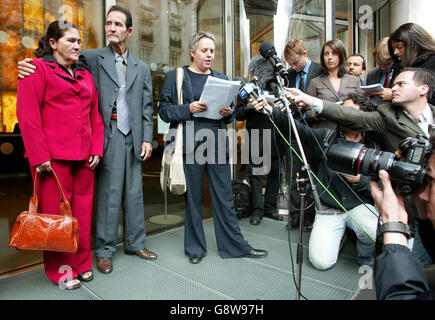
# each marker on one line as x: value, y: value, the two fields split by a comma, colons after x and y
x: 207, y: 152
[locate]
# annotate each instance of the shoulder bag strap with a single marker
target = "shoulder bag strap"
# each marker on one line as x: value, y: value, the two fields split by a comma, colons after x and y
x: 179, y: 137
x: 180, y: 77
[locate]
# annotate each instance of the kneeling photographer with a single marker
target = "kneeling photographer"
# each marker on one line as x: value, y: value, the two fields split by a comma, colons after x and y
x: 352, y: 192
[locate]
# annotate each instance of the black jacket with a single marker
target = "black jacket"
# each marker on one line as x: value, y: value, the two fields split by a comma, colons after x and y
x: 399, y: 275
x: 256, y: 120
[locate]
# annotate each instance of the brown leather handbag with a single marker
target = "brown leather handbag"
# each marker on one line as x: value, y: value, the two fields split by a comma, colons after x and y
x: 42, y: 231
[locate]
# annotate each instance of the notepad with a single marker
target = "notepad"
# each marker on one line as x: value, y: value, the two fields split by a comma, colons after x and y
x: 373, y: 87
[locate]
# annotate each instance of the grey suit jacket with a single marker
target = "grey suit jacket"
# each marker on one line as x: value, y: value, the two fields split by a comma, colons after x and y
x: 314, y: 71
x: 389, y: 121
x: 374, y: 76
x: 101, y: 64
x: 321, y: 87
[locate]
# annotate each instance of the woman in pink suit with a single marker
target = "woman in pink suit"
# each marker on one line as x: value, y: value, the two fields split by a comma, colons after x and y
x: 57, y: 110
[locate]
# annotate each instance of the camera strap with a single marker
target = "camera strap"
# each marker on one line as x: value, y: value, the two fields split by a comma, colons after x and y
x: 411, y: 209
x: 330, y: 136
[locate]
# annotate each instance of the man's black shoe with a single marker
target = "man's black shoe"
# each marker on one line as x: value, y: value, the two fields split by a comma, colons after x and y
x: 256, y: 253
x: 256, y: 219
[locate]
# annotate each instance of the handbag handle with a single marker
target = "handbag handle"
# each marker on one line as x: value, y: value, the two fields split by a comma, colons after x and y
x: 64, y: 206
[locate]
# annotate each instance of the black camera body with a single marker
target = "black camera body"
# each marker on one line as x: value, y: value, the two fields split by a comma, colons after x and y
x: 407, y: 171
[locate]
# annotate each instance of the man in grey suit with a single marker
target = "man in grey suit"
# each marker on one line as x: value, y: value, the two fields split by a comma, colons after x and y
x: 120, y: 173
x: 125, y: 103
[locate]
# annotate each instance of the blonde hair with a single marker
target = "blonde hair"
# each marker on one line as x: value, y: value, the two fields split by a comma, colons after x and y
x: 381, y: 53
x: 294, y: 47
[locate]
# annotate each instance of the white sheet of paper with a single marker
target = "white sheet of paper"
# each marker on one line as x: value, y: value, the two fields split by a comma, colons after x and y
x: 217, y: 93
x: 373, y: 87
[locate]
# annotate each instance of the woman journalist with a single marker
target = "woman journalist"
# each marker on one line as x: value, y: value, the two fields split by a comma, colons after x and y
x: 334, y: 83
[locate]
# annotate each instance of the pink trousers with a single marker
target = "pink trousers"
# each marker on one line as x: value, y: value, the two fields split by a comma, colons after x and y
x: 77, y: 182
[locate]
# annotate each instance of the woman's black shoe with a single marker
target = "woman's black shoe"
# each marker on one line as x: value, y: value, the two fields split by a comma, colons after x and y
x: 195, y: 259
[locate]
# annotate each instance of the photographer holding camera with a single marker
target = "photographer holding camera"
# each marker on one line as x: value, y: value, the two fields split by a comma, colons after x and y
x: 407, y: 115
x: 398, y: 273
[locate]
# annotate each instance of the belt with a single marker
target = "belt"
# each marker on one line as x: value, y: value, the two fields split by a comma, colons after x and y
x: 114, y: 116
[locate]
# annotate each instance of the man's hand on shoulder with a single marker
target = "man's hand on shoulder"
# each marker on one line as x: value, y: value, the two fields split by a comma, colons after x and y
x: 25, y: 68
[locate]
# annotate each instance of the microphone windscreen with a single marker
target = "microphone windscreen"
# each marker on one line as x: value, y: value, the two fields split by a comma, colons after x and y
x: 261, y: 69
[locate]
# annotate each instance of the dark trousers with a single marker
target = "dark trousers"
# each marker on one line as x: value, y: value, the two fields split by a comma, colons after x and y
x: 229, y: 238
x: 268, y: 205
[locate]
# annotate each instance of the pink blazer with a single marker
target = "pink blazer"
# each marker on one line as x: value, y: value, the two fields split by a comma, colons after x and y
x: 58, y: 115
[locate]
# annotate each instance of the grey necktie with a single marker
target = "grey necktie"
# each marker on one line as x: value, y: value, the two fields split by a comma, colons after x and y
x: 122, y: 112
x: 301, y: 82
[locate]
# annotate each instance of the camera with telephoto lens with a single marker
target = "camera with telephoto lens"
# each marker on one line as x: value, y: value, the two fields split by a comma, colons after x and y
x: 407, y: 171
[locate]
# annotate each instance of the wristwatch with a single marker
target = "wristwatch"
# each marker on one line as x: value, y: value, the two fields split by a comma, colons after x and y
x: 398, y: 227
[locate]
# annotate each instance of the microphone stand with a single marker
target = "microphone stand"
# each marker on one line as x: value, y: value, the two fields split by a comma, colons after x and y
x: 303, y: 184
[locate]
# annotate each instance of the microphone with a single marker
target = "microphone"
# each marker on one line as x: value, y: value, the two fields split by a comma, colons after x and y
x: 265, y: 76
x: 248, y: 90
x: 263, y: 72
x: 267, y: 50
